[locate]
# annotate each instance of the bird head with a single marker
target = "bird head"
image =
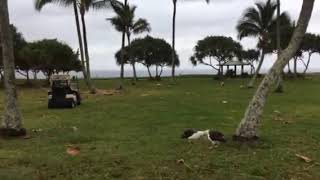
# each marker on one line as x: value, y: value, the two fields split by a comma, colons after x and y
x: 187, y: 133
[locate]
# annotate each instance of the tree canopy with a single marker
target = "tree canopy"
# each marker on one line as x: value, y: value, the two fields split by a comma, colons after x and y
x: 219, y: 48
x: 51, y: 56
x: 148, y: 51
x: 48, y: 56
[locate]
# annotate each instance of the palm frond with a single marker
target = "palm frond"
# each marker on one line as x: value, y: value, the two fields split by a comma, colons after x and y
x: 140, y: 26
x: 117, y: 23
x: 102, y: 4
x: 39, y: 4
x: 253, y: 15
x: 247, y: 28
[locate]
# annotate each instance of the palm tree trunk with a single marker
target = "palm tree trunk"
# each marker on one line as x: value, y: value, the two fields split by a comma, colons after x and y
x: 133, y: 63
x: 174, y: 38
x: 135, y: 78
x: 253, y: 79
x: 248, y: 127
x: 123, y: 44
x: 12, y: 121
x: 76, y: 15
x: 279, y: 88
x: 86, y: 51
x: 157, y: 71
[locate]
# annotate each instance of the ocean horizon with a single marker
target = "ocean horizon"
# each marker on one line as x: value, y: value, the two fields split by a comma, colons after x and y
x: 99, y: 74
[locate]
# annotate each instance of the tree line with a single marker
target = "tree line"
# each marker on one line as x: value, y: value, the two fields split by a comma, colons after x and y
x: 149, y: 52
x: 48, y: 56
x: 259, y: 22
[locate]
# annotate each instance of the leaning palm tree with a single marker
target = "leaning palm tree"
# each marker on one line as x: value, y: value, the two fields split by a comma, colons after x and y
x: 124, y: 21
x: 83, y: 6
x: 248, y: 127
x: 173, y: 56
x: 12, y: 121
x: 258, y: 22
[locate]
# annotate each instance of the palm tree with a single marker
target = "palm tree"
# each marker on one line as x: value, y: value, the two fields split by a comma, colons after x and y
x: 279, y: 88
x: 12, y: 120
x: 83, y: 6
x: 174, y: 37
x: 136, y: 27
x: 248, y: 127
x: 124, y: 21
x: 258, y: 22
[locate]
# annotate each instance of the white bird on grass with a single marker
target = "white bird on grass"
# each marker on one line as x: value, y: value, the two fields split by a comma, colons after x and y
x: 214, y: 137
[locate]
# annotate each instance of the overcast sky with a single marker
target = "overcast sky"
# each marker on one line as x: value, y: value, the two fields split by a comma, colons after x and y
x: 195, y: 20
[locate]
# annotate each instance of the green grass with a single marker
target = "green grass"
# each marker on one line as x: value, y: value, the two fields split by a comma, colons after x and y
x: 136, y: 135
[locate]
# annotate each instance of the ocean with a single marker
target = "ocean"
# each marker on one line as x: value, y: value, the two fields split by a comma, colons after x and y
x: 144, y: 73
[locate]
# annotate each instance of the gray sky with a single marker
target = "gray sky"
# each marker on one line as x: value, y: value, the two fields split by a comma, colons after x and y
x: 195, y: 20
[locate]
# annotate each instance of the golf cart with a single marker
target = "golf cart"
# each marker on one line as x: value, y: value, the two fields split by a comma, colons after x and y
x: 64, y: 92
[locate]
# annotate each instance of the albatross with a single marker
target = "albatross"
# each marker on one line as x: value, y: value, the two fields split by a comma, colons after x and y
x: 215, y: 137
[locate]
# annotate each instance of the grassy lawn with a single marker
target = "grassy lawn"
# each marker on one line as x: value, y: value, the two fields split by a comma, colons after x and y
x: 136, y: 135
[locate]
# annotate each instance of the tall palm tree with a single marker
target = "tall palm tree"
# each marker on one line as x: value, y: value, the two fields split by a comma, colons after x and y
x: 124, y: 21
x: 136, y: 27
x: 258, y: 22
x: 12, y: 121
x: 248, y: 127
x: 279, y: 87
x: 174, y: 36
x: 122, y: 47
x: 83, y: 6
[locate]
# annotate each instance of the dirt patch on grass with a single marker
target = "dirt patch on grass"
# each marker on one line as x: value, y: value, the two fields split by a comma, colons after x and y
x: 105, y: 92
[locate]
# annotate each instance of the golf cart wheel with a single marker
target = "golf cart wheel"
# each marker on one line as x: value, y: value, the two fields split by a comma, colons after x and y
x: 50, y: 106
x: 72, y: 104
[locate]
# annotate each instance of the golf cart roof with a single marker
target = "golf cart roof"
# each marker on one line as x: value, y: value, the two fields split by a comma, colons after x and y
x: 60, y: 78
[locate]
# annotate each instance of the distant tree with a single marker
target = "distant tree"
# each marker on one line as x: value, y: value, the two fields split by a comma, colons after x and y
x: 50, y: 57
x: 83, y: 6
x: 310, y: 46
x: 150, y: 52
x: 124, y: 21
x: 30, y: 60
x: 248, y: 127
x: 119, y: 26
x: 219, y: 48
x: 174, y: 36
x: 259, y: 21
x: 250, y: 56
x: 18, y: 43
x: 12, y: 120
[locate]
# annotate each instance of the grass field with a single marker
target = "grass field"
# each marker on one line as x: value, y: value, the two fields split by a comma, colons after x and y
x: 136, y: 135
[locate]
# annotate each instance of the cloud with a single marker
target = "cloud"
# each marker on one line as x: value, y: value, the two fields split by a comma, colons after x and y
x: 195, y: 20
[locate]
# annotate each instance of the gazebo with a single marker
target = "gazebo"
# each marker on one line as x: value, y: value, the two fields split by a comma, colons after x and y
x: 234, y: 64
